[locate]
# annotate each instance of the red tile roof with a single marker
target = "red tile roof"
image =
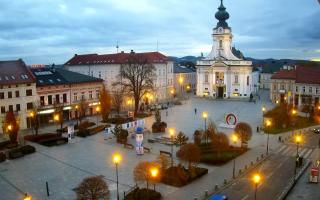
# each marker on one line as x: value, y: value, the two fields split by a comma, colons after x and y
x: 15, y: 72
x: 119, y: 58
x: 308, y: 75
x: 284, y: 74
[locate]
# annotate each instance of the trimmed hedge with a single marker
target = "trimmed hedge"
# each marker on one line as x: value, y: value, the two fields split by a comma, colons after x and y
x: 119, y: 120
x: 141, y: 194
x: 4, y: 144
x: 179, y: 176
x: 21, y: 151
x: 2, y: 157
x: 49, y: 139
x: 214, y: 157
x: 28, y: 149
x: 88, y: 132
x: 159, y: 127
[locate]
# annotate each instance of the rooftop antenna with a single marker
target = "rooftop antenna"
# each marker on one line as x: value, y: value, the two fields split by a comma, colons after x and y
x: 157, y: 46
x: 117, y: 46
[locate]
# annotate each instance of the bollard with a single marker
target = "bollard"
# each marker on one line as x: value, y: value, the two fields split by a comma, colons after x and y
x: 206, y: 193
x: 225, y: 182
x: 216, y: 187
x: 47, y: 187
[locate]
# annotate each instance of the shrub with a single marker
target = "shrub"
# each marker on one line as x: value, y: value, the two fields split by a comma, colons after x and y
x: 159, y: 127
x: 15, y: 153
x: 92, y: 188
x: 189, y: 153
x: 244, y: 130
x: 2, y: 156
x: 197, y: 137
x: 141, y: 194
x: 27, y: 149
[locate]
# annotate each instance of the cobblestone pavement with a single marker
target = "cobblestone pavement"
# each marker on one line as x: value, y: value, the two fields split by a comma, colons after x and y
x: 65, y: 166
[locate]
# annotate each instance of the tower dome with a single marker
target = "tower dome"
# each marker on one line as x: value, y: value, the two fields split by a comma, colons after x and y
x: 222, y: 15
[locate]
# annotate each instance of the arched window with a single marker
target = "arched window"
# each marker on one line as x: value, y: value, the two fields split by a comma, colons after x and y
x: 248, y: 80
x: 206, y: 77
x: 220, y: 44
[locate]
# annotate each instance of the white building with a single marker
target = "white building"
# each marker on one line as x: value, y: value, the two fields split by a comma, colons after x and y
x: 17, y: 91
x: 224, y: 73
x: 107, y: 67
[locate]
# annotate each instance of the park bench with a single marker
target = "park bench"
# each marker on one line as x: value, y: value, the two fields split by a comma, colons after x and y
x: 165, y: 153
x: 146, y: 149
x: 128, y: 146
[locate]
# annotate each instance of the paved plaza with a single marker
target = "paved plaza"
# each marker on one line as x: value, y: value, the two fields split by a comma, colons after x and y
x: 64, y: 167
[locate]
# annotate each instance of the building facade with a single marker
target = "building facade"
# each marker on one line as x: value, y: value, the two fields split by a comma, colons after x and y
x: 185, y: 80
x: 224, y: 73
x: 300, y: 86
x: 17, y: 91
x: 57, y: 87
x: 107, y: 67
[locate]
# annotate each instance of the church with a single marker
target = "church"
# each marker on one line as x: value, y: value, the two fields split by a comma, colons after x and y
x: 224, y: 73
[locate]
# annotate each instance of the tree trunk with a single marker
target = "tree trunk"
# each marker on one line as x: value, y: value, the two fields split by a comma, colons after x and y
x: 136, y: 106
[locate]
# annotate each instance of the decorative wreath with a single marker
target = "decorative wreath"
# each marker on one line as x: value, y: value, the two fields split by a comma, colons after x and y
x: 231, y: 119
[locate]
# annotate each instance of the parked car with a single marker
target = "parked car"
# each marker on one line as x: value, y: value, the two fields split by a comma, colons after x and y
x: 316, y: 130
x: 218, y: 197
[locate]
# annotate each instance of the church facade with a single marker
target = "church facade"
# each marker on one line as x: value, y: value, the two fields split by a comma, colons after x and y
x: 224, y: 73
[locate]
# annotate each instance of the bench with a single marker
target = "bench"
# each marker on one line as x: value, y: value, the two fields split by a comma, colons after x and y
x: 165, y: 153
x: 146, y: 149
x: 128, y: 146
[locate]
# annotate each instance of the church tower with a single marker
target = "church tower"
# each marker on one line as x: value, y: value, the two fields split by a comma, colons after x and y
x: 222, y: 37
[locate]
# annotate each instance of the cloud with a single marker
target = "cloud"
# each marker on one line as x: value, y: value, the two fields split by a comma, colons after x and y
x: 54, y: 30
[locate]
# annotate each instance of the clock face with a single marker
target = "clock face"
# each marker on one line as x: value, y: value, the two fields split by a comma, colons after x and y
x: 220, y: 29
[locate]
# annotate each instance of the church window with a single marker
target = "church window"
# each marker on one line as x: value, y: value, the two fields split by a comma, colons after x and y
x: 206, y: 77
x: 236, y: 78
x: 220, y: 43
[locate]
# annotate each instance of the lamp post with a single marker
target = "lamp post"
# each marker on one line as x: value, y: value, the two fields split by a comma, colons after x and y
x: 234, y: 139
x: 116, y: 160
x: 256, y: 180
x: 181, y: 84
x: 27, y: 197
x: 205, y: 117
x: 56, y: 118
x: 268, y: 124
x: 154, y: 174
x: 293, y: 112
x: 171, y: 132
x: 263, y: 109
x: 298, y: 140
x: 172, y: 93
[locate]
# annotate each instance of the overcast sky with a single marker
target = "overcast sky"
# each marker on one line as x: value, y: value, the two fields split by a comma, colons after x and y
x: 52, y: 31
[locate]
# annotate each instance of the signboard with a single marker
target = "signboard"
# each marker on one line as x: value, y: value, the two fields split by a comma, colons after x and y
x: 71, y: 133
x: 314, y: 175
x: 139, y: 141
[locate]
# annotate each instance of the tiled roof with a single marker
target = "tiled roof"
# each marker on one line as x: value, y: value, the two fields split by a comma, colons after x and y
x: 284, y: 74
x: 182, y: 69
x: 15, y: 72
x: 308, y: 75
x: 53, y: 76
x: 119, y: 58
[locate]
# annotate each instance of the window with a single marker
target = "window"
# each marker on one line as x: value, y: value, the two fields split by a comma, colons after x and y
x: 236, y: 78
x: 29, y: 106
x: 29, y: 93
x: 310, y: 89
x: 17, y: 94
x: 42, y: 100
x: 9, y: 95
x: 206, y: 78
x: 65, y: 98
x: 248, y: 80
x: 1, y: 95
x: 50, y: 100
x: 10, y: 108
x: 18, y: 107
x: 282, y: 87
x: 98, y: 94
x: 274, y: 86
x: 90, y: 95
x: 220, y: 43
x: 57, y: 98
x: 303, y: 89
x: 99, y: 74
x: 297, y: 89
x: 317, y: 90
x: 75, y: 96
x: 82, y: 96
x: 3, y: 109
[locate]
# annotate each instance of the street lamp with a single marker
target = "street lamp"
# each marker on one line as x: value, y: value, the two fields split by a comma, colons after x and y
x: 27, y: 197
x: 294, y: 113
x: 154, y: 174
x: 171, y: 132
x: 256, y: 180
x: 263, y: 109
x: 205, y: 117
x: 298, y: 140
x: 116, y: 160
x: 268, y: 124
x: 10, y: 127
x: 172, y: 92
x: 234, y: 139
x: 181, y: 84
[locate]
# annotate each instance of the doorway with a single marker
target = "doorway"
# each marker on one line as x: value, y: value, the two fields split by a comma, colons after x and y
x: 220, y: 92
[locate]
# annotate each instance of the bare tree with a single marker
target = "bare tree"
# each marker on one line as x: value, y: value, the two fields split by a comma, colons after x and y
x: 211, y: 130
x: 137, y: 78
x: 92, y: 188
x: 244, y: 130
x: 35, y: 121
x: 82, y: 109
x: 105, y: 103
x: 189, y: 153
x: 117, y: 99
x: 58, y: 114
x: 163, y: 162
x: 11, y: 127
x: 142, y: 174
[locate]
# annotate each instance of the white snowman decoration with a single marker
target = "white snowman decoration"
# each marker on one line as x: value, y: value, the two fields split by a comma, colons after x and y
x: 139, y: 141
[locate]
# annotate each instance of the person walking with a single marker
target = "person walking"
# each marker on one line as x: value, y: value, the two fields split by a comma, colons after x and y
x: 195, y: 111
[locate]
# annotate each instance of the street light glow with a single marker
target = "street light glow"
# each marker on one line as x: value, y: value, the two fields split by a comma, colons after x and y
x: 234, y: 138
x: 171, y: 132
x: 180, y: 80
x: 298, y: 139
x: 27, y: 197
x: 205, y: 115
x: 256, y: 178
x: 268, y: 123
x: 10, y: 127
x: 56, y: 117
x: 294, y: 112
x: 263, y: 109
x: 98, y: 109
x: 116, y: 158
x: 172, y: 91
x: 154, y: 172
x: 31, y: 114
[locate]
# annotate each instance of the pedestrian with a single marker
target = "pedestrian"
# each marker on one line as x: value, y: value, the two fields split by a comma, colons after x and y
x: 279, y: 139
x: 195, y: 111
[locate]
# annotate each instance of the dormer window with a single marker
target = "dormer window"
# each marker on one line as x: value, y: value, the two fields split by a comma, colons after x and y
x: 220, y: 44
